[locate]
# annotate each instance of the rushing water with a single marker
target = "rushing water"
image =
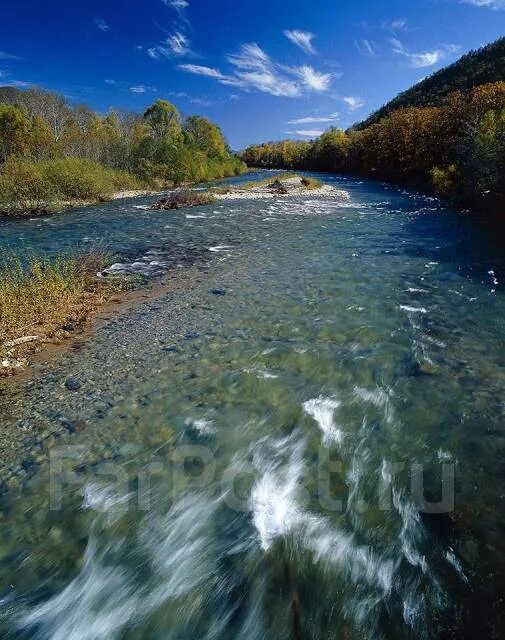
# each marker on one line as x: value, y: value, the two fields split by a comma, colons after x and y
x: 267, y: 482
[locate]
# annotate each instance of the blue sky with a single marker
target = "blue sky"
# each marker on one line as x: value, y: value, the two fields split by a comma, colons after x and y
x: 261, y: 69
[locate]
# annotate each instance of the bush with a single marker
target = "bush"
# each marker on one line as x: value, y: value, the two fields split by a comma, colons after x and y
x: 27, y: 186
x: 184, y: 198
x: 23, y: 186
x: 443, y: 180
x: 311, y: 183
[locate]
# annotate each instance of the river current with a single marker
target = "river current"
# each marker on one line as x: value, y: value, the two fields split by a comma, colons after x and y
x: 321, y: 458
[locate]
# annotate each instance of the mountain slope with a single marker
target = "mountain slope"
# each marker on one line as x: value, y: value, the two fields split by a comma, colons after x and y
x: 475, y: 68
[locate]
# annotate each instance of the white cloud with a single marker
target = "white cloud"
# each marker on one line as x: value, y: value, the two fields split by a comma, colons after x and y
x: 490, y: 4
x: 110, y: 81
x: 175, y: 45
x: 210, y: 72
x: 250, y: 57
x: 396, y: 25
x: 309, y: 133
x: 353, y: 102
x: 254, y: 69
x: 315, y: 119
x: 202, y: 71
x: 423, y: 58
x: 302, y: 39
x: 101, y: 24
x: 365, y: 47
x: 177, y: 4
x: 7, y: 56
x: 178, y: 43
x: 140, y: 88
x: 314, y: 79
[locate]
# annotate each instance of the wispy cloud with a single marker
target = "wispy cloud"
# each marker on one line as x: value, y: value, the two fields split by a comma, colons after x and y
x: 422, y: 59
x: 7, y: 56
x: 211, y: 72
x: 179, y: 44
x: 490, y: 4
x: 365, y: 47
x: 353, y: 102
x: 101, y: 24
x: 309, y: 133
x: 393, y: 26
x: 315, y: 119
x: 254, y: 69
x: 140, y: 88
x: 180, y: 5
x: 302, y: 39
x: 314, y: 79
x: 176, y: 44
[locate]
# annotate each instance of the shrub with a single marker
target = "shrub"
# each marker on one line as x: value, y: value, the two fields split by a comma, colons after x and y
x: 23, y: 186
x: 184, y: 198
x: 311, y: 183
x: 27, y: 186
x: 443, y: 180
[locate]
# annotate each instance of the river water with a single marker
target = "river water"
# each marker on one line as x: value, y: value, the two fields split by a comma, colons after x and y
x: 321, y: 458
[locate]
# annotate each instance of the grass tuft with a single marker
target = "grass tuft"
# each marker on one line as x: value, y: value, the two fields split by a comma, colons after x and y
x: 42, y: 299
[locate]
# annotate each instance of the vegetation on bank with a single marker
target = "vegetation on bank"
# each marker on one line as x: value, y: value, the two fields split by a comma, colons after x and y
x: 53, y: 152
x: 457, y: 148
x: 43, y: 300
x: 28, y: 186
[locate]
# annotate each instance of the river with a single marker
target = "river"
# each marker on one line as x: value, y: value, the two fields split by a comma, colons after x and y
x: 305, y: 442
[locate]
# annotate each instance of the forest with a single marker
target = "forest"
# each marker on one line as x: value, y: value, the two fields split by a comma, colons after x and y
x: 53, y: 152
x: 455, y: 149
x: 484, y: 66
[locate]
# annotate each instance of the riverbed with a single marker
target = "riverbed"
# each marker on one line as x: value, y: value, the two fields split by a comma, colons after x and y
x: 301, y: 437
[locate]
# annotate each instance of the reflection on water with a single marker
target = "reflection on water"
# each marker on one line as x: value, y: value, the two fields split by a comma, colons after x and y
x: 270, y: 482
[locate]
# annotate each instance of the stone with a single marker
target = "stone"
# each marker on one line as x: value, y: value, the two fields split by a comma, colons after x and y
x: 425, y: 369
x: 73, y: 383
x: 218, y: 292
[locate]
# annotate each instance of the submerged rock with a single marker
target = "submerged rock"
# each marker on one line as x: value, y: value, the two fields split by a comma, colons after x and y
x: 425, y: 369
x: 73, y: 383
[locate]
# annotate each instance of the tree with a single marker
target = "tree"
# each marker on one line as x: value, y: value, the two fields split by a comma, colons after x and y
x: 15, y: 129
x: 203, y: 135
x: 163, y: 120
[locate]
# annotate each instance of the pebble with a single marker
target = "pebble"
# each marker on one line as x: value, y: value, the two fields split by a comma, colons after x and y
x: 218, y: 292
x: 73, y: 383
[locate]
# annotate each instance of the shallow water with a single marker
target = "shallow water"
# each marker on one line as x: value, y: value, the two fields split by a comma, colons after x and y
x: 265, y: 483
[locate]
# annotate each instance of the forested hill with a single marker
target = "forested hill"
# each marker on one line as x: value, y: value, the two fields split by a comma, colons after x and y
x: 483, y: 66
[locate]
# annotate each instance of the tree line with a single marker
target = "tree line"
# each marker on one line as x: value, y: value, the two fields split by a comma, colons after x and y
x: 45, y: 140
x: 456, y: 149
x: 484, y: 66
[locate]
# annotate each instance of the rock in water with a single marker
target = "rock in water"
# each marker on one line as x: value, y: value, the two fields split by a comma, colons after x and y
x: 73, y: 383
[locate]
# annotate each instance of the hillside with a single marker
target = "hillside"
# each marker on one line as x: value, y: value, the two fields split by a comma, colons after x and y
x: 486, y: 65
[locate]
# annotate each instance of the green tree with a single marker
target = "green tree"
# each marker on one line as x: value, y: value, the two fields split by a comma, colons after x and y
x: 163, y: 120
x: 15, y: 130
x: 202, y: 134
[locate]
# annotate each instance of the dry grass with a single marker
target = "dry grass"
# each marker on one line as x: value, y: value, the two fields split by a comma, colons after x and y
x: 183, y: 198
x: 266, y: 181
x: 42, y: 300
x: 311, y: 183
